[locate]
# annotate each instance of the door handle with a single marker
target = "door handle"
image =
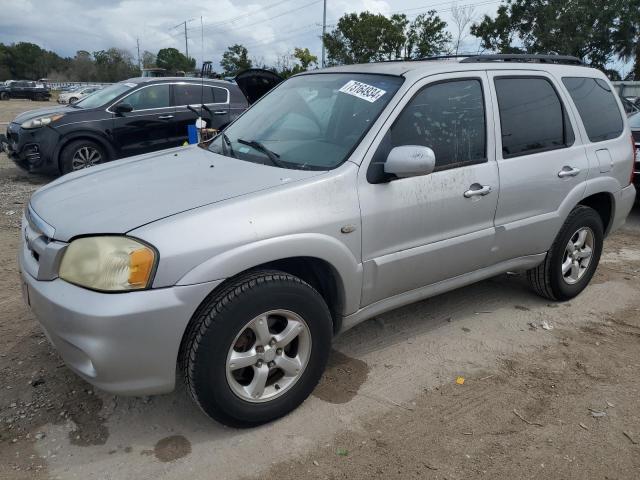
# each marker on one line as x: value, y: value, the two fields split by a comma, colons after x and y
x: 165, y: 117
x: 220, y: 112
x: 477, y: 190
x: 568, y: 172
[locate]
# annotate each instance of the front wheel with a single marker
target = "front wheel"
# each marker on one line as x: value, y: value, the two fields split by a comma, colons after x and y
x: 81, y: 154
x: 4, y: 96
x: 257, y: 349
x: 572, y: 259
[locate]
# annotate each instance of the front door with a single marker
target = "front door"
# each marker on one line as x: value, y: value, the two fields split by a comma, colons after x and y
x: 147, y: 128
x: 421, y: 230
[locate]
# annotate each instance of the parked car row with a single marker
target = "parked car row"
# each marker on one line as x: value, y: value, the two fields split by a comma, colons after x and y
x: 340, y: 195
x: 24, y: 89
x: 72, y: 96
x: 128, y: 118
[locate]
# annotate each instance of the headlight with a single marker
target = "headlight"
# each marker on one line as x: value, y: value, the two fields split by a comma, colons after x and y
x: 41, y: 121
x: 108, y: 263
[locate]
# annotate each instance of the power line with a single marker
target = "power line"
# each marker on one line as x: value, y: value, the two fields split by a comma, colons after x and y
x: 287, y: 12
x: 244, y: 15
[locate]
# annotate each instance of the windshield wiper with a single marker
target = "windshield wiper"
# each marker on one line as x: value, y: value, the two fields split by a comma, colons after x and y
x: 273, y: 156
x: 226, y: 143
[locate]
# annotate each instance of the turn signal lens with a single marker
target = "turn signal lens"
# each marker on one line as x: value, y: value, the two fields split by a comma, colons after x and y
x: 108, y: 263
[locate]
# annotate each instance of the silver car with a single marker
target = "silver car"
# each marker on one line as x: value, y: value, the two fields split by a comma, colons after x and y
x: 74, y: 95
x: 342, y: 194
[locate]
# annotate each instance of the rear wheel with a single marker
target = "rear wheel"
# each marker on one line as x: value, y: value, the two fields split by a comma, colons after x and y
x: 81, y: 154
x: 572, y: 259
x: 257, y: 349
x: 4, y: 96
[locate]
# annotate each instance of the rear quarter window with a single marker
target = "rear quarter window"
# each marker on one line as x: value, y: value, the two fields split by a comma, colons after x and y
x: 597, y: 107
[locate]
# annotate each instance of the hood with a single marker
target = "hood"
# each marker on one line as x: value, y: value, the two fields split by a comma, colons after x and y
x: 28, y: 115
x: 255, y: 82
x: 120, y: 196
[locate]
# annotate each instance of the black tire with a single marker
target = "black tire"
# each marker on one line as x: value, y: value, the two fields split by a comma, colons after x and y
x: 67, y: 153
x: 4, y: 96
x: 547, y: 279
x: 215, y: 326
x: 72, y: 100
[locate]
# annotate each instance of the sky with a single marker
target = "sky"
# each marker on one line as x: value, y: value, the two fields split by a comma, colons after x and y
x: 268, y: 28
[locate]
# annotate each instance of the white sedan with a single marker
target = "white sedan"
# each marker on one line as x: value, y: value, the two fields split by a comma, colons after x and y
x: 74, y: 95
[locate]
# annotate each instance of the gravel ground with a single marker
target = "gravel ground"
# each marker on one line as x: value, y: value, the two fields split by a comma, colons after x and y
x: 535, y: 403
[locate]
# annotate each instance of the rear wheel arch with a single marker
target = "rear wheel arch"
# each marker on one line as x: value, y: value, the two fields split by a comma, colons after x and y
x: 603, y: 203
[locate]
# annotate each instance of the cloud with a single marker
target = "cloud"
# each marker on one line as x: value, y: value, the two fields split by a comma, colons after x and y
x: 268, y: 28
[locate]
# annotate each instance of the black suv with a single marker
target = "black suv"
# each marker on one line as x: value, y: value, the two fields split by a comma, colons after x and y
x: 128, y: 118
x: 24, y: 89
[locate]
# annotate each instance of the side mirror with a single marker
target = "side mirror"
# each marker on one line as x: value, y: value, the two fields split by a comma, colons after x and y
x: 123, y: 108
x: 410, y: 161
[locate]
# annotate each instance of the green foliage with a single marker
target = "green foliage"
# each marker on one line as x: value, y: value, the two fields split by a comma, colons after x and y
x: 299, y: 61
x: 595, y: 31
x: 114, y: 64
x: 172, y: 60
x: 235, y: 60
x: 369, y: 37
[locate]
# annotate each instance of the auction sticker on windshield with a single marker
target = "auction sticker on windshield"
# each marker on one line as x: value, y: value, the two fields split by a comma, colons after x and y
x: 362, y: 90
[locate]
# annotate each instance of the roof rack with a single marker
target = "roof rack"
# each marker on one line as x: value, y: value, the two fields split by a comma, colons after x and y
x: 524, y: 58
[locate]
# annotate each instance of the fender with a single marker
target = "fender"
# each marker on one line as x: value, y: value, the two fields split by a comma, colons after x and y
x: 323, y: 247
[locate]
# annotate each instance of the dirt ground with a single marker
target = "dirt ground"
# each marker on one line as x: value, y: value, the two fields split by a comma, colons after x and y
x: 559, y: 403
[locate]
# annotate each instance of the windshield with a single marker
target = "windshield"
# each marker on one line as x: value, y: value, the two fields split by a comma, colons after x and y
x: 634, y: 120
x: 104, y: 96
x: 308, y: 122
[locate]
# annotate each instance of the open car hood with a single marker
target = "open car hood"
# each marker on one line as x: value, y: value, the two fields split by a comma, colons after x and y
x: 255, y: 82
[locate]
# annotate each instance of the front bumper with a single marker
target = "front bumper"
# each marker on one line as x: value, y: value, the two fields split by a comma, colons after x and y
x: 31, y: 150
x: 123, y: 343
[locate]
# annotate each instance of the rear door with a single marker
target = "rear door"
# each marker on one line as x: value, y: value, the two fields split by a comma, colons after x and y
x: 194, y: 95
x: 148, y: 127
x: 540, y: 162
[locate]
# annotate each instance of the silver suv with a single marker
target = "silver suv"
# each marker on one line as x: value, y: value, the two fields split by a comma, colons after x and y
x: 340, y: 195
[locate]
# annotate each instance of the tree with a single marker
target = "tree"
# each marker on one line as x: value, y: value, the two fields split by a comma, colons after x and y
x: 235, y: 60
x: 305, y: 57
x: 627, y: 36
x: 574, y: 27
x: 82, y: 67
x: 368, y: 37
x: 114, y: 64
x: 172, y: 60
x: 427, y: 36
x: 463, y: 16
x: 148, y: 59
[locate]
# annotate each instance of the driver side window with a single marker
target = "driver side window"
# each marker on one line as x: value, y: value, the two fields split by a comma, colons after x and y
x: 449, y: 118
x: 155, y: 96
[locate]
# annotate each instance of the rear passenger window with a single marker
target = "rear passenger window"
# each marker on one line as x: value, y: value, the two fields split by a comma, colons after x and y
x: 214, y: 95
x: 532, y: 118
x: 188, y: 94
x: 597, y: 107
x: 448, y: 118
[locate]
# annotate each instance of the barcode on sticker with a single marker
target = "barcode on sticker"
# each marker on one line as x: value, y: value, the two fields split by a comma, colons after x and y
x: 362, y: 90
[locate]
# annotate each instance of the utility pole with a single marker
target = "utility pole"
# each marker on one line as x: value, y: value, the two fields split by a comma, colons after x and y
x: 324, y: 28
x: 186, y: 37
x: 186, y: 41
x: 138, y: 47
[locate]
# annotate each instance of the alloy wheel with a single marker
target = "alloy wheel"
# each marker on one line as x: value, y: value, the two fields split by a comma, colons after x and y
x: 268, y: 356
x: 85, y: 157
x: 577, y: 255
